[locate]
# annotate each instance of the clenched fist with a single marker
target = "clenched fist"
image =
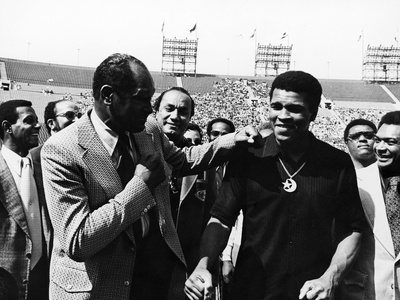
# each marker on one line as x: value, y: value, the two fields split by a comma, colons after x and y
x: 151, y: 170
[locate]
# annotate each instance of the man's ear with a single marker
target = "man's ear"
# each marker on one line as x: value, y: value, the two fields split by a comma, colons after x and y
x: 50, y: 123
x: 6, y: 127
x: 106, y: 92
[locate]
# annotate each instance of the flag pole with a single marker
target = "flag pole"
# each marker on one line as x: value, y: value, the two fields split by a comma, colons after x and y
x: 362, y: 53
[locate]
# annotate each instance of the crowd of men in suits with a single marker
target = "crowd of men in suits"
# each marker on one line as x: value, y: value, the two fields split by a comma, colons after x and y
x: 121, y: 203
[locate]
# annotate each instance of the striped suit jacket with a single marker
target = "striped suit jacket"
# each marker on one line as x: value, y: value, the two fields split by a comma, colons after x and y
x: 94, y: 246
x: 15, y: 242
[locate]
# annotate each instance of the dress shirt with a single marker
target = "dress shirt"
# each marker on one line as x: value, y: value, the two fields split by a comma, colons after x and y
x: 14, y: 162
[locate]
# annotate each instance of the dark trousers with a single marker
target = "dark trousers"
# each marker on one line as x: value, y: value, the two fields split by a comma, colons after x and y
x: 38, y: 286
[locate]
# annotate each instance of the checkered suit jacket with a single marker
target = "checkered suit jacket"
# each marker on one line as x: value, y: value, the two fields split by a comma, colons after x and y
x: 94, y: 246
x: 15, y: 243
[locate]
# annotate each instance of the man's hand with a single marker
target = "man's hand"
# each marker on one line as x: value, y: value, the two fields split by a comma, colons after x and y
x: 151, y: 170
x: 227, y: 271
x: 321, y: 288
x: 248, y: 136
x: 199, y: 283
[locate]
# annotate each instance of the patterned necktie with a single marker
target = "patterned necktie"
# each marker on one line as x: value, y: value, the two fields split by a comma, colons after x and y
x: 393, y: 211
x: 30, y: 202
x: 126, y: 167
x: 126, y: 170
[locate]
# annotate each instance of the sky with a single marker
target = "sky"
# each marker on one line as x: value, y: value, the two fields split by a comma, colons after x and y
x: 329, y: 37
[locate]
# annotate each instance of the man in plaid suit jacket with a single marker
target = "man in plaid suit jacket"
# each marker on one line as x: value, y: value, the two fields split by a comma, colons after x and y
x: 19, y: 131
x: 97, y: 250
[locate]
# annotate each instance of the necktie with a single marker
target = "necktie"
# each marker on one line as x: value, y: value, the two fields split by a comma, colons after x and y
x: 126, y: 170
x: 30, y: 202
x: 126, y: 167
x: 393, y: 211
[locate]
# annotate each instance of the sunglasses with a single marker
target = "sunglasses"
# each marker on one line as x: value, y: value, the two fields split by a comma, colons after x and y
x: 70, y: 115
x: 369, y: 135
x: 218, y: 133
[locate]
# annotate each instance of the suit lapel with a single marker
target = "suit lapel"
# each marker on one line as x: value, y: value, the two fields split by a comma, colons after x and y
x: 187, y: 184
x: 97, y: 159
x: 370, y: 189
x: 10, y: 198
x: 147, y: 144
x: 99, y: 163
x: 46, y: 224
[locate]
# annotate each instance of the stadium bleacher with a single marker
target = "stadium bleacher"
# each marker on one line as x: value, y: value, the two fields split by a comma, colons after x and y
x: 244, y: 99
x: 354, y: 91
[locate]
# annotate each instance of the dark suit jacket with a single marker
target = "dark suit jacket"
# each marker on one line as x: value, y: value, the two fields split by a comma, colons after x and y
x: 94, y: 245
x: 15, y: 242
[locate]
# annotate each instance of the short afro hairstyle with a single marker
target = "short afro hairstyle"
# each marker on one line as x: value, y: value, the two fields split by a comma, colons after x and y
x: 355, y: 123
x: 299, y: 82
x: 8, y: 112
x: 222, y: 120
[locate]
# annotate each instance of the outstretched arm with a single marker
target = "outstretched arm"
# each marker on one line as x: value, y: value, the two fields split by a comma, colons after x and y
x: 213, y: 242
x: 342, y: 260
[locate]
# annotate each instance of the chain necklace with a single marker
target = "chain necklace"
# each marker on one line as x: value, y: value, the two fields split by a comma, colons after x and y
x: 289, y: 185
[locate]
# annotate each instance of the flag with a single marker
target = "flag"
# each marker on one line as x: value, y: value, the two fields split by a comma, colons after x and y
x: 284, y: 35
x: 359, y: 38
x: 253, y: 33
x: 162, y: 27
x: 193, y: 29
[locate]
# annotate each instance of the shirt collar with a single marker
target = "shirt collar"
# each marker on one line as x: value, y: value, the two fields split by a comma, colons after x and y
x: 271, y: 147
x: 105, y: 133
x: 14, y: 161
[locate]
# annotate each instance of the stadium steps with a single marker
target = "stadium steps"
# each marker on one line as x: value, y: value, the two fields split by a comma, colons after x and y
x: 393, y: 97
x: 394, y: 89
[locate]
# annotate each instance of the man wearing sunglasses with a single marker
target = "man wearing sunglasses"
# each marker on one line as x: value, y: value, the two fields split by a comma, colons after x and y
x: 60, y: 114
x: 359, y: 137
x: 107, y: 177
x: 375, y: 274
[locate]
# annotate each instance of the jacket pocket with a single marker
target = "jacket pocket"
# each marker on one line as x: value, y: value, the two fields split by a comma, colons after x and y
x: 72, y: 280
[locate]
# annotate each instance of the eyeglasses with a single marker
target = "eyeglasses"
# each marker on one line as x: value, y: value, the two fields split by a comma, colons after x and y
x: 369, y: 135
x: 218, y: 133
x: 387, y: 141
x: 70, y: 115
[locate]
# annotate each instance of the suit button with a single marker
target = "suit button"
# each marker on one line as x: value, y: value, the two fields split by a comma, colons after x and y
x: 126, y: 283
x: 28, y: 255
x: 392, y: 286
x: 145, y: 210
x: 25, y: 281
x: 69, y: 287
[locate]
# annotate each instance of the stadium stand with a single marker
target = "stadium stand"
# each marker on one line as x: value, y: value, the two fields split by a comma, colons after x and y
x: 354, y: 91
x: 395, y: 89
x: 244, y: 100
x: 48, y: 74
x: 199, y: 84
